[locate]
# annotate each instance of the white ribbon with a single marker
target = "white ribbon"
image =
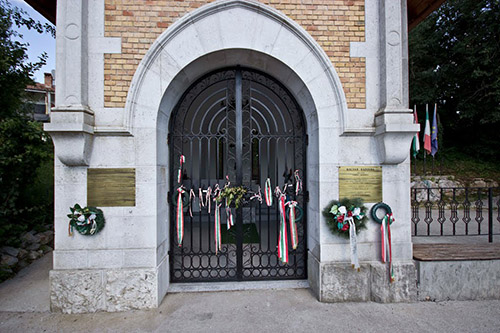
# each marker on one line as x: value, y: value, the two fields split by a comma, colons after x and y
x: 200, y: 198
x: 208, y: 198
x: 257, y: 196
x: 353, y: 242
x: 191, y: 200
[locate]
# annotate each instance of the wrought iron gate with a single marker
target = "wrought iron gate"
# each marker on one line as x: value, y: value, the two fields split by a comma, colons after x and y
x: 242, y: 125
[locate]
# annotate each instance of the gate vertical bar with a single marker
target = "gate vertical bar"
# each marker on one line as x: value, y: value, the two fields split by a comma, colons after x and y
x: 490, y: 215
x: 239, y: 171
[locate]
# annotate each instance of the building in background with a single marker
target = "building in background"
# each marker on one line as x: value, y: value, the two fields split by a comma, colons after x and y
x: 41, y: 98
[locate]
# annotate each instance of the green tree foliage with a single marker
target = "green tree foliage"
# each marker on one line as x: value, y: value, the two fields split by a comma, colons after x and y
x: 25, y: 150
x: 454, y: 61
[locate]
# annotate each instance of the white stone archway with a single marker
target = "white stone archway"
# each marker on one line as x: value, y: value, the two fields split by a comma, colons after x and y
x: 225, y: 34
x: 126, y: 265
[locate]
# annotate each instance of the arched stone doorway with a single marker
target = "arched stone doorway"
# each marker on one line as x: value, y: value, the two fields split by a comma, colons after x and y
x: 190, y: 49
x: 243, y: 126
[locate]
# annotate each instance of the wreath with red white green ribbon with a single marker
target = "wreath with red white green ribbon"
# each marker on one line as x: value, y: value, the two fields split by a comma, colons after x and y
x: 346, y: 218
x: 340, y: 215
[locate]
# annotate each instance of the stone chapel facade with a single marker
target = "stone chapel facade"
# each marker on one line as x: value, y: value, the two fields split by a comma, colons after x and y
x: 135, y: 76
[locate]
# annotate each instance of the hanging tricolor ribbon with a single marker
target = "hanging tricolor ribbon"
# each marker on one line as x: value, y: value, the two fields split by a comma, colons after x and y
x: 217, y: 233
x: 191, y: 198
x: 293, y: 226
x: 385, y: 229
x: 268, y: 194
x: 353, y: 242
x: 179, y: 175
x: 282, y: 240
x: 229, y: 216
x: 180, y: 216
x: 298, y: 183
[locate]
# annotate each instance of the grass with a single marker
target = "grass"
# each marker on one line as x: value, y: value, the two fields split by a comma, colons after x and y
x: 462, y: 167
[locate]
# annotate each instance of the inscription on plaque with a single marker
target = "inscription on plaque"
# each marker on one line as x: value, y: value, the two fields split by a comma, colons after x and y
x: 111, y: 187
x: 363, y: 182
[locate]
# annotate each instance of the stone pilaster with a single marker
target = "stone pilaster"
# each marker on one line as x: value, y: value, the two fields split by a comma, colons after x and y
x: 72, y: 121
x: 394, y: 123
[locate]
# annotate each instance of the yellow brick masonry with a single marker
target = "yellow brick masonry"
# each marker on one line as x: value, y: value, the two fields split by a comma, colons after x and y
x: 332, y: 23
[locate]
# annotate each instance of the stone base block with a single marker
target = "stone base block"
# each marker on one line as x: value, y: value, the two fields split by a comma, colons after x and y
x: 83, y: 291
x: 77, y: 291
x: 339, y: 282
x: 403, y: 289
x: 458, y: 280
x: 342, y: 283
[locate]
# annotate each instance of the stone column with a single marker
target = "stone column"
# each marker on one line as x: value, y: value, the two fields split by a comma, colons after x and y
x: 72, y: 121
x: 394, y: 130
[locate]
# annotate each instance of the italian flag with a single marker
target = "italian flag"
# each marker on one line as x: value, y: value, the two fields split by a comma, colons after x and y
x: 427, y: 133
x: 416, y: 139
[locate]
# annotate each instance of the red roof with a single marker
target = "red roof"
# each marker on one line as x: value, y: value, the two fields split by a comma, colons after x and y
x: 40, y: 87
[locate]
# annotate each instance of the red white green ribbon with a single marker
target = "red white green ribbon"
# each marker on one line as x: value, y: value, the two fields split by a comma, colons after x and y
x: 293, y: 225
x: 217, y: 233
x: 268, y: 194
x: 180, y: 216
x: 353, y: 242
x: 282, y: 241
x: 385, y: 229
x: 298, y: 183
x: 179, y: 175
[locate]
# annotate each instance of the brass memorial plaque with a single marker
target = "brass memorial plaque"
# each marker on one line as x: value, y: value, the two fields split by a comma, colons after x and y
x: 363, y: 182
x: 111, y: 187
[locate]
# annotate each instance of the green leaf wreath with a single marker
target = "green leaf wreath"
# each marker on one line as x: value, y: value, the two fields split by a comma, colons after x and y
x: 87, y: 221
x: 337, y: 214
x: 235, y: 193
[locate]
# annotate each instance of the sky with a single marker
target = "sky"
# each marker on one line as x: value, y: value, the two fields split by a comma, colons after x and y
x: 38, y: 43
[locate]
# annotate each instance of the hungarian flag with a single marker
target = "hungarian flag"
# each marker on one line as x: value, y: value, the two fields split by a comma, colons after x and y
x: 416, y: 139
x: 434, y: 133
x: 427, y: 133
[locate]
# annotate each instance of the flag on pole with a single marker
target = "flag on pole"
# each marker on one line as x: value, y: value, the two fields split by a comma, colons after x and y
x: 416, y: 139
x: 434, y: 133
x: 427, y: 133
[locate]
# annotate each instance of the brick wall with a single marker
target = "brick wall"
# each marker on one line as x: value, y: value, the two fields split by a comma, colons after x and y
x: 332, y: 23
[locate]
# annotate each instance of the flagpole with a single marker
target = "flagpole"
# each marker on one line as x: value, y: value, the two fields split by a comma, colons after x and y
x: 441, y: 144
x: 425, y: 163
x: 432, y: 131
x: 432, y: 172
x: 415, y: 171
x: 434, y: 136
x: 425, y: 157
x: 412, y: 154
x: 415, y: 144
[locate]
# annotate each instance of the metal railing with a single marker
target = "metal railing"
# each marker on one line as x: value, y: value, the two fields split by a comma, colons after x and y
x: 457, y: 211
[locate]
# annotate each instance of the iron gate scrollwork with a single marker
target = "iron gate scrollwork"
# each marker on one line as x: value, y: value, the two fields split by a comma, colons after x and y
x: 244, y: 125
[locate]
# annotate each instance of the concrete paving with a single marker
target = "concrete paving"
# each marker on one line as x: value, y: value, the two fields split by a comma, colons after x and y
x: 24, y: 308
x: 28, y: 291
